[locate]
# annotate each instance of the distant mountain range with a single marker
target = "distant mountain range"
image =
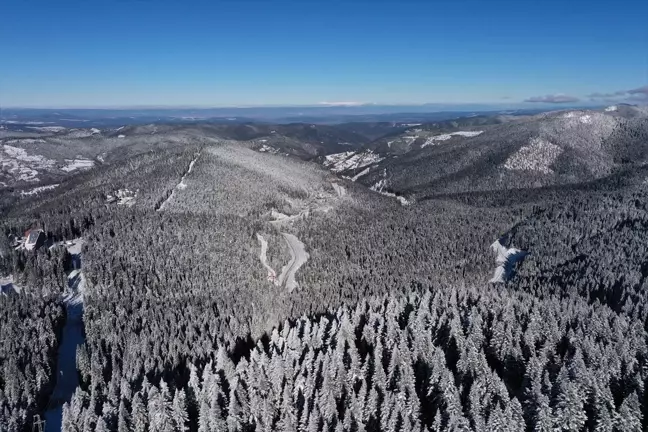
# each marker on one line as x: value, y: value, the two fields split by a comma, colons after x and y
x: 301, y: 114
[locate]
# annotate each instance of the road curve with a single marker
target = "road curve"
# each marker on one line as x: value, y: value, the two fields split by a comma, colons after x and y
x: 298, y: 257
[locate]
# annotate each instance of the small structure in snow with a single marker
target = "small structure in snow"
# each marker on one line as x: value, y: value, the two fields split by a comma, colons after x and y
x: 35, y: 239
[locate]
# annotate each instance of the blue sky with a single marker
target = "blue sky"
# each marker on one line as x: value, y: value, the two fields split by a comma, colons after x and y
x: 232, y: 53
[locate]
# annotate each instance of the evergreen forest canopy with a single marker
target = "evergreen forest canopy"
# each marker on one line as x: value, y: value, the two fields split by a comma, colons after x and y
x: 307, y: 278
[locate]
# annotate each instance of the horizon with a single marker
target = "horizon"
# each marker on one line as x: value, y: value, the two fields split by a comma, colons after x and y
x: 289, y: 54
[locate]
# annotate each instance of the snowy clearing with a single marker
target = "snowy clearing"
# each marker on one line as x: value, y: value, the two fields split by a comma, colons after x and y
x: 267, y: 149
x: 611, y: 108
x: 298, y: 257
x: 538, y: 156
x: 48, y: 128
x: 360, y: 174
x: 339, y: 162
x: 122, y: 197
x: 21, y: 166
x: 39, y: 189
x: 77, y: 164
x: 506, y: 259
x: 444, y: 137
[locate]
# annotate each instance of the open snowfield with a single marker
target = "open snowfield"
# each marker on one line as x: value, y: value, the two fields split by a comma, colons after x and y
x: 444, y: 137
x: 77, y: 164
x: 339, y: 162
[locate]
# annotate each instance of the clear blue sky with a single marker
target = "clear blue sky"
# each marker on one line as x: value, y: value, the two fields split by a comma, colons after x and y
x: 60, y: 53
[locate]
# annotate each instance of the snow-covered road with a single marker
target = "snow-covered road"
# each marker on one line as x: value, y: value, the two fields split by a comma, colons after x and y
x: 298, y: 257
x: 67, y: 378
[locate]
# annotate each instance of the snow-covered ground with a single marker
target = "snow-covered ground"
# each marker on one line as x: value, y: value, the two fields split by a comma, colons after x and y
x: 339, y: 162
x: 22, y: 166
x: 506, y: 259
x: 182, y: 185
x: 444, y: 137
x: 66, y: 373
x: 298, y: 257
x: 611, y: 108
x: 267, y: 149
x: 263, y: 256
x: 360, y: 174
x: 122, y: 197
x: 7, y: 286
x: 48, y: 128
x: 538, y: 156
x: 39, y: 189
x: 77, y: 164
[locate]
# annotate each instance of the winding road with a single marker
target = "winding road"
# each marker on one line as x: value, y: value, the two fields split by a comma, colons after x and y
x: 298, y: 257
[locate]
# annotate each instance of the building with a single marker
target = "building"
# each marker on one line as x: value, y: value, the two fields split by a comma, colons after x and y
x: 35, y: 239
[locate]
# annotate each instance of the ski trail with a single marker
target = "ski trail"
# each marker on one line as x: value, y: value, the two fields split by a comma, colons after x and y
x: 182, y: 185
x: 67, y: 378
x: 272, y: 276
x: 298, y: 257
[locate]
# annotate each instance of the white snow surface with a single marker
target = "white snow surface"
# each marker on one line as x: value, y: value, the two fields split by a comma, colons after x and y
x: 182, y: 185
x: 505, y: 258
x: 298, y: 257
x: 611, y: 108
x: 339, y: 162
x: 272, y: 275
x: 121, y: 136
x: 22, y: 166
x: 444, y: 137
x: 77, y: 164
x: 39, y: 189
x: 538, y: 156
x: 360, y: 174
x: 48, y: 128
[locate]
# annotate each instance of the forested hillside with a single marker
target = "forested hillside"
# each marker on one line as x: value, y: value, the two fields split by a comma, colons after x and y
x: 228, y: 287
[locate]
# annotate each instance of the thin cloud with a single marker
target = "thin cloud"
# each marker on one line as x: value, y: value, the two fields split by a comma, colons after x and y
x: 341, y: 104
x: 639, y: 91
x: 637, y: 94
x: 556, y: 99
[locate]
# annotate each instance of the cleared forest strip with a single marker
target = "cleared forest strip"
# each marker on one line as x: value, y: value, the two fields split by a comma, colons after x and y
x: 181, y: 185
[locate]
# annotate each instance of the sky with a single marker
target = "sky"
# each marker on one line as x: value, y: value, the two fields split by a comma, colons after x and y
x: 123, y: 53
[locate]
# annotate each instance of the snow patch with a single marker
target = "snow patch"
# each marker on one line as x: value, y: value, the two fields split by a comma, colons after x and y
x: 444, y: 137
x: 360, y: 174
x: 538, y: 156
x: 39, y: 189
x: 611, y: 108
x: 77, y: 164
x: 506, y: 259
x: 21, y: 166
x: 339, y: 162
x: 47, y: 128
x: 121, y: 136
